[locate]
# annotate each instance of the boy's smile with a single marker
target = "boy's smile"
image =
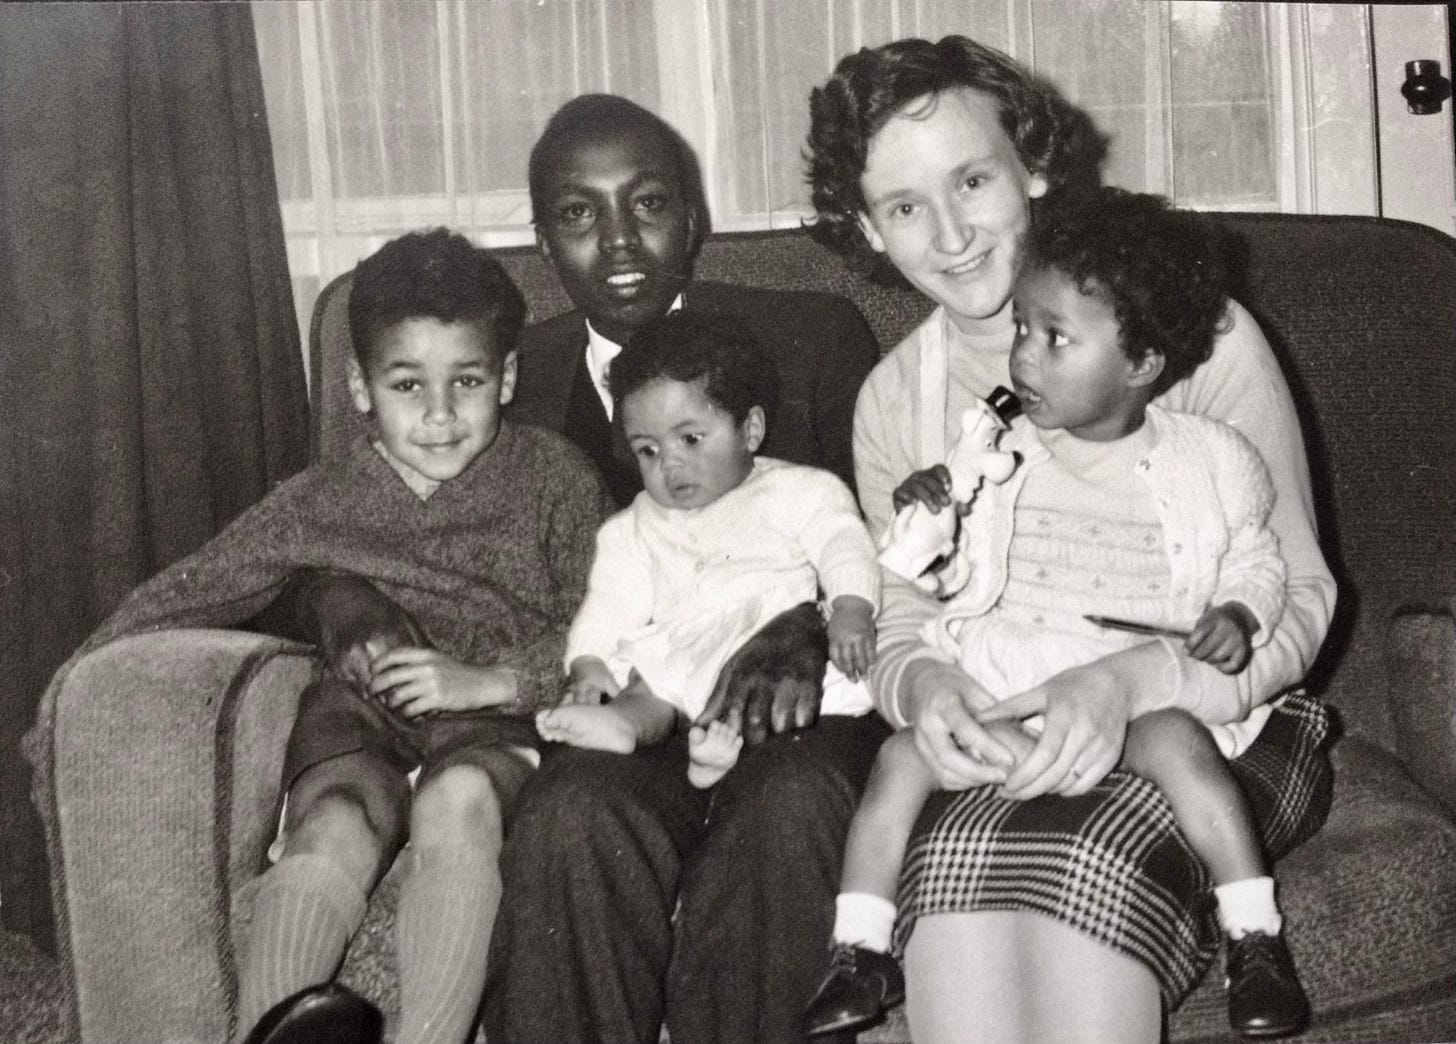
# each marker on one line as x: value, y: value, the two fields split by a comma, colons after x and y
x: 436, y: 391
x: 690, y: 450
x: 616, y: 226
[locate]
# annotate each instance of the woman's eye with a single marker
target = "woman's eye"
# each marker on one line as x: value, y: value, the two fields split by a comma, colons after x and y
x: 903, y: 210
x: 973, y: 181
x: 646, y: 452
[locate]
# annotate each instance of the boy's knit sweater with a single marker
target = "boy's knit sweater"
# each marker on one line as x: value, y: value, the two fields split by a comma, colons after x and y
x: 492, y: 565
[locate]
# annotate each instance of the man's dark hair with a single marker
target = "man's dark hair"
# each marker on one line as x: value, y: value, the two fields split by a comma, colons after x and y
x: 688, y: 346
x: 1166, y: 273
x: 591, y: 117
x: 1053, y: 137
x: 437, y: 274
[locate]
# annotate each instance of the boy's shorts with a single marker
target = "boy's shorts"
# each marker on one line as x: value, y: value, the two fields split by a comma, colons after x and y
x: 334, y: 719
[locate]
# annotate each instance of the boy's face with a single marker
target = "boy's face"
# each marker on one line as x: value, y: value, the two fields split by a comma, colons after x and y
x: 617, y: 227
x: 1067, y: 363
x: 436, y: 391
x: 948, y: 201
x: 690, y: 450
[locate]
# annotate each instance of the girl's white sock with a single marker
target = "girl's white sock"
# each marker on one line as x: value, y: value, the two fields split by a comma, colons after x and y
x: 1248, y: 906
x: 862, y: 919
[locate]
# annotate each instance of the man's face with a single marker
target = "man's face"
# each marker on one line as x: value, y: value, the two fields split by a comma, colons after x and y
x: 616, y: 225
x: 948, y: 202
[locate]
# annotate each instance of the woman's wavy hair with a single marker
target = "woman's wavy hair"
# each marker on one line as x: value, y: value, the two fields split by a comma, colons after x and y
x: 1053, y: 137
x: 1166, y: 273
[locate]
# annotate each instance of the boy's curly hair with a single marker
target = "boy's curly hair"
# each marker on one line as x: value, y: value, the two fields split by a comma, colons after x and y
x: 591, y: 117
x: 434, y: 274
x: 689, y: 346
x: 1167, y: 273
x: 1052, y: 136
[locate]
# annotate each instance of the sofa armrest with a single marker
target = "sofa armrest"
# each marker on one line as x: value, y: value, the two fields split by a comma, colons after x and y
x: 1421, y: 661
x: 167, y: 751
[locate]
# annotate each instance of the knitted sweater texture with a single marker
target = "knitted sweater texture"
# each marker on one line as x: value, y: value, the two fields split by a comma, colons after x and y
x: 492, y: 565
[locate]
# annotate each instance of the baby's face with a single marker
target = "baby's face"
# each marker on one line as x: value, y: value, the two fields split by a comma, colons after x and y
x: 690, y: 450
x: 1068, y: 367
x: 615, y: 224
x: 436, y: 391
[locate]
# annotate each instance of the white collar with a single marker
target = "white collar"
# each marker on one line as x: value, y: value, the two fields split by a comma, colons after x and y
x: 600, y: 351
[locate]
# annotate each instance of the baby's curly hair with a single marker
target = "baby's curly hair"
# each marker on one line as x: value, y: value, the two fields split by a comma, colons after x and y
x: 434, y: 274
x: 689, y: 346
x: 1053, y: 137
x: 1167, y: 273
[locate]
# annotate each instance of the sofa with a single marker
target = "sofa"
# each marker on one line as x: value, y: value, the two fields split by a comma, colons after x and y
x: 158, y: 755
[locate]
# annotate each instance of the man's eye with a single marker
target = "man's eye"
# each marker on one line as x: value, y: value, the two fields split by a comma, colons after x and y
x: 570, y: 213
x: 651, y: 203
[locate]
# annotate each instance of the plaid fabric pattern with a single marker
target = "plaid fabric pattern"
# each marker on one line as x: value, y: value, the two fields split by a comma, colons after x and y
x: 1112, y: 863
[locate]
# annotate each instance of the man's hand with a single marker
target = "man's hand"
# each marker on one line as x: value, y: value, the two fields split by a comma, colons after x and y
x: 775, y: 681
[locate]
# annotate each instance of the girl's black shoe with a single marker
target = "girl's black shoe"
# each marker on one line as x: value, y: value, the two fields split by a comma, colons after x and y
x: 1265, y: 998
x: 860, y: 987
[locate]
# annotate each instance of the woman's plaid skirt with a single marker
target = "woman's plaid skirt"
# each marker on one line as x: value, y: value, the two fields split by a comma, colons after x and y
x: 1111, y: 863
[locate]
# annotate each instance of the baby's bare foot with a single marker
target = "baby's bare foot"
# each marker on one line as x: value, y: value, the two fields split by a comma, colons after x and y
x: 589, y: 726
x: 712, y: 751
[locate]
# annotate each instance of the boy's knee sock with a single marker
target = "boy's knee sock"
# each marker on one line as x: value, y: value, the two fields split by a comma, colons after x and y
x: 1248, y: 906
x: 864, y: 920
x: 447, y: 907
x: 307, y: 910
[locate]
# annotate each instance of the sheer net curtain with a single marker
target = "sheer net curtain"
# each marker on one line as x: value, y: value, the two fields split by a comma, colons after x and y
x: 388, y: 115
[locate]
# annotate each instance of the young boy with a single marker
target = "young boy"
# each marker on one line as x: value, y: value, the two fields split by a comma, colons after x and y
x: 1119, y: 509
x: 718, y: 543
x: 419, y: 733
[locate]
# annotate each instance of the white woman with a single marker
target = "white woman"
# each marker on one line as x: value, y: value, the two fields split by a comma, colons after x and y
x: 1049, y: 898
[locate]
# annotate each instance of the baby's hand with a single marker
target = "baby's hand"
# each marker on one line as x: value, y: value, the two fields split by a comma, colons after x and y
x: 851, y: 631
x: 1223, y: 637
x: 930, y: 487
x: 413, y: 681
x: 590, y: 681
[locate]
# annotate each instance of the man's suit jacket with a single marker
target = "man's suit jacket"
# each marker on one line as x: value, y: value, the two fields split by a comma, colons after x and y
x: 820, y: 345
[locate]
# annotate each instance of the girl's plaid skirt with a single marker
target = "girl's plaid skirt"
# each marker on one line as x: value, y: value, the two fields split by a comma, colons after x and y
x: 1111, y: 863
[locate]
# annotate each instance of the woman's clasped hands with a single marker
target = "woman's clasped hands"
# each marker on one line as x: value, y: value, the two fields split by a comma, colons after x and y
x: 970, y: 740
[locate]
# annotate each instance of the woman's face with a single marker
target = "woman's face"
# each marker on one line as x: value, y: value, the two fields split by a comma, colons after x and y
x: 948, y: 201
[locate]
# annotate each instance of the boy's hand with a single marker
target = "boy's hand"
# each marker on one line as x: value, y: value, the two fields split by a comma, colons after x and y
x: 1223, y: 637
x: 351, y: 621
x: 414, y: 681
x: 590, y: 681
x: 851, y: 631
x: 930, y: 487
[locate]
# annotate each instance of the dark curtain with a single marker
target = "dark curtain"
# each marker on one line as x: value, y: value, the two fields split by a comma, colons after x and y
x: 151, y: 384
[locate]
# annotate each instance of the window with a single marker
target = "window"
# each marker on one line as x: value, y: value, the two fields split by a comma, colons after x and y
x: 388, y: 115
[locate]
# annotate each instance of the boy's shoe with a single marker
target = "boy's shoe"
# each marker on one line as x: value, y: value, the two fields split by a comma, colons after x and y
x: 1265, y: 998
x: 860, y: 987
x: 324, y: 1014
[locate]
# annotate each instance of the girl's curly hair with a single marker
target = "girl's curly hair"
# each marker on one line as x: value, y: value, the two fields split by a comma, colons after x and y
x: 1053, y: 137
x: 1167, y: 273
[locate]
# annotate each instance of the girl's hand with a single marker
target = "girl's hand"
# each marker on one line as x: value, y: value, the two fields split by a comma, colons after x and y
x: 590, y: 681
x: 851, y: 631
x: 941, y: 702
x: 1224, y: 637
x: 930, y: 487
x: 1086, y: 712
x: 415, y: 681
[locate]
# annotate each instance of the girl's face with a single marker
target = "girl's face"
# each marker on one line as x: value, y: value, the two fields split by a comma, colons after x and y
x: 948, y: 202
x: 690, y: 449
x: 1067, y: 363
